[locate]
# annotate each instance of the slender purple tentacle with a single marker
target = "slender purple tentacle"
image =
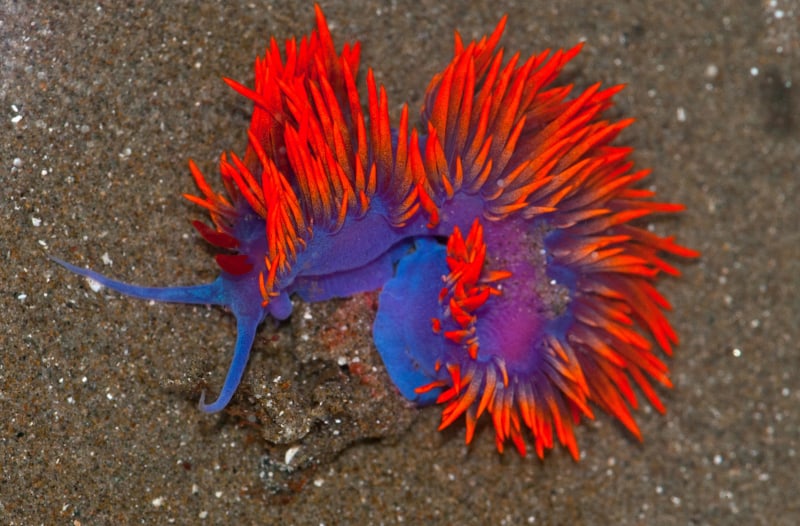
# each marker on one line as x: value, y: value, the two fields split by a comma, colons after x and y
x: 246, y: 326
x: 205, y: 294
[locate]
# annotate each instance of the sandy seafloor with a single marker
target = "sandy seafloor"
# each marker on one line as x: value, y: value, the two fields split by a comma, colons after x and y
x: 101, y: 107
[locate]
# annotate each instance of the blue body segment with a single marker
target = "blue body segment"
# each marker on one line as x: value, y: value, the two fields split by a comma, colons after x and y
x: 408, y: 347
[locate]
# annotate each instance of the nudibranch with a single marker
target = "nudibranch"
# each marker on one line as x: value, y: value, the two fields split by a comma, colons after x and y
x: 514, y: 280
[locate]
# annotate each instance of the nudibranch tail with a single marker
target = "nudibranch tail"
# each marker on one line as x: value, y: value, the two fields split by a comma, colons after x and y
x: 548, y: 303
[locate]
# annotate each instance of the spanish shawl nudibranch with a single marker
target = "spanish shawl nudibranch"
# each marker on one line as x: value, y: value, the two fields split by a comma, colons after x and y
x: 513, y: 280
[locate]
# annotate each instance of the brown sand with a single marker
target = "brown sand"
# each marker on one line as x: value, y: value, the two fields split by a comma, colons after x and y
x: 104, y: 105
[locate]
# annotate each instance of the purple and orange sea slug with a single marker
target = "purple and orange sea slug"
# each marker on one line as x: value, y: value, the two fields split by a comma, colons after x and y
x: 513, y: 279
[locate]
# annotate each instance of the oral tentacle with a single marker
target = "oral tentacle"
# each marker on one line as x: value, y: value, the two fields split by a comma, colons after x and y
x: 246, y: 326
x: 206, y: 294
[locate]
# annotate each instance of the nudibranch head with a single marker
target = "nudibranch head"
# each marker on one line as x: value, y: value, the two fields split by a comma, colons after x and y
x: 543, y: 306
x: 317, y: 204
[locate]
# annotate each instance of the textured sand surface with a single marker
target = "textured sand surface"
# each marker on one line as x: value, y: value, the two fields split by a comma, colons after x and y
x: 102, y: 106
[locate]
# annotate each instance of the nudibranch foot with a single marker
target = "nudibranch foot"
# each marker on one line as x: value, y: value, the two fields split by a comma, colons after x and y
x: 402, y: 326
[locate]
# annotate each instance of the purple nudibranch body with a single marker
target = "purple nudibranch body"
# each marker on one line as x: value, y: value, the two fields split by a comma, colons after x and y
x: 502, y: 235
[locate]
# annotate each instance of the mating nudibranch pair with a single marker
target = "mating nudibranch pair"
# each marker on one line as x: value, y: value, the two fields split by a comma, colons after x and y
x: 513, y: 282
